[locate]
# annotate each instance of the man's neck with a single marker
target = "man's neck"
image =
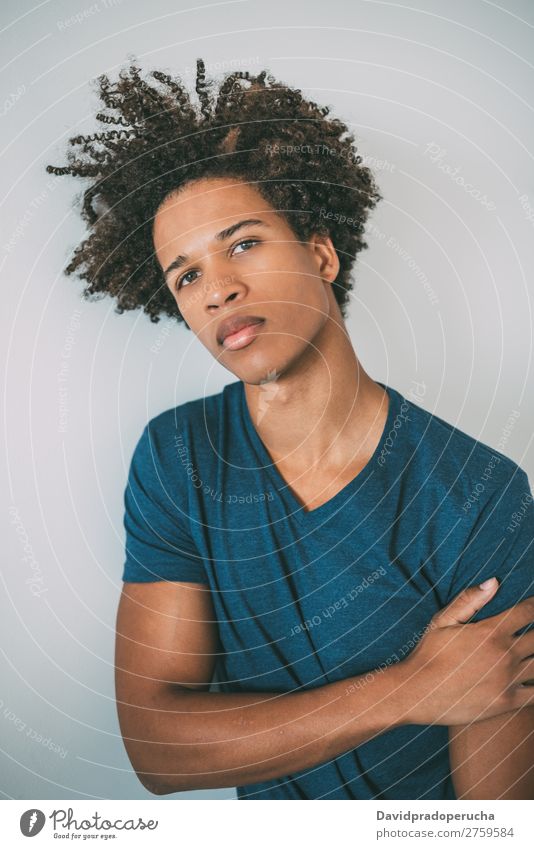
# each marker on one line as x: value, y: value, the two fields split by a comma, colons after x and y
x: 322, y: 410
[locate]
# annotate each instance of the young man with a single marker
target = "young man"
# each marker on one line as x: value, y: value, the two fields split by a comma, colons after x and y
x: 297, y: 533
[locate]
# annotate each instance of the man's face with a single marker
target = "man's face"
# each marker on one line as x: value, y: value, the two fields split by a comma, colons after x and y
x: 259, y: 274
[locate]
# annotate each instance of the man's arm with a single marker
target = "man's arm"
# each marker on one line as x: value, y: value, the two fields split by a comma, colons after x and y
x: 494, y: 759
x: 180, y: 738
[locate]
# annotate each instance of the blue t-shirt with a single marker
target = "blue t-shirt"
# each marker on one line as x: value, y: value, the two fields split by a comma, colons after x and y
x: 304, y: 598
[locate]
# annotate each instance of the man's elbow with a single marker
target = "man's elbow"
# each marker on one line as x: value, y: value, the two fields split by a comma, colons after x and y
x: 158, y: 788
x: 155, y: 789
x: 147, y: 768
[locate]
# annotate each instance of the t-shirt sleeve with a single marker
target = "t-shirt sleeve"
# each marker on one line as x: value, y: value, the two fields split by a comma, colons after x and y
x: 158, y: 545
x: 501, y: 544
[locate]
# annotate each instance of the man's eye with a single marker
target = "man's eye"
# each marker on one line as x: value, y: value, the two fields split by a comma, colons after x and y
x: 183, y: 281
x: 246, y: 242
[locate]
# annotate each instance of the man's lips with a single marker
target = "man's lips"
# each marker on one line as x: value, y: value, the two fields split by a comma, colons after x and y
x: 242, y: 338
x: 238, y: 330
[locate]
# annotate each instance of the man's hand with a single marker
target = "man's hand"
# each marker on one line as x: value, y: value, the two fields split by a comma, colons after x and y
x: 461, y: 673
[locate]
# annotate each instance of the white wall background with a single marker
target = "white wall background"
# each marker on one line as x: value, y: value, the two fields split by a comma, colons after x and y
x: 440, y: 93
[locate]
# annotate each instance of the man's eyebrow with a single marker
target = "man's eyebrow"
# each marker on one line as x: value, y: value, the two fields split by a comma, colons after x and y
x: 220, y: 237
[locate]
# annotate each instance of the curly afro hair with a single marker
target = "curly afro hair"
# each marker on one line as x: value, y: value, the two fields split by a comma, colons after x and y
x: 304, y: 165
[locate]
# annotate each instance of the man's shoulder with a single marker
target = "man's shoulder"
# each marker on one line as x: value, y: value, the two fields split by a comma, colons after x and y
x: 459, y: 462
x: 190, y: 421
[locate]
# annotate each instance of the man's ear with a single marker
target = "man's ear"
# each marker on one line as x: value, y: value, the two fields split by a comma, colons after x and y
x: 325, y: 255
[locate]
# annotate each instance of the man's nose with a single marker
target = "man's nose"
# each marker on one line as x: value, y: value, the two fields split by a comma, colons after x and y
x: 222, y: 288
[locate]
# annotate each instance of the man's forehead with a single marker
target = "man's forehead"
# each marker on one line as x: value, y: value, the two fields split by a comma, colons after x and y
x: 202, y: 215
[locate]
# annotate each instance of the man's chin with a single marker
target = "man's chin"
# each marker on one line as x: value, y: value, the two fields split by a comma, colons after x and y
x: 256, y: 374
x: 260, y: 366
x: 257, y: 379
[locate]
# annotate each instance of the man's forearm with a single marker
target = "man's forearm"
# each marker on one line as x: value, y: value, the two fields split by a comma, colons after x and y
x: 494, y: 759
x: 189, y: 739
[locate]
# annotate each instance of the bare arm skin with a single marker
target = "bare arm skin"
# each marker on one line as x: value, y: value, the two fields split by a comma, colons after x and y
x: 180, y: 737
x: 494, y: 759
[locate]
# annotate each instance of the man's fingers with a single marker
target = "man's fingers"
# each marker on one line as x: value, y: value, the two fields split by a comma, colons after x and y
x: 524, y: 645
x: 525, y: 672
x: 466, y: 604
x: 516, y: 617
x: 524, y: 696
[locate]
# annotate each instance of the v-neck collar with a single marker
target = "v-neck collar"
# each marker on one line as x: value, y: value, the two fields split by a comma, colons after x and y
x: 342, y: 498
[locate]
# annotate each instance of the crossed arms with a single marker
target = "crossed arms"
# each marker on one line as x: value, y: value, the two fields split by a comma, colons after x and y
x: 180, y: 737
